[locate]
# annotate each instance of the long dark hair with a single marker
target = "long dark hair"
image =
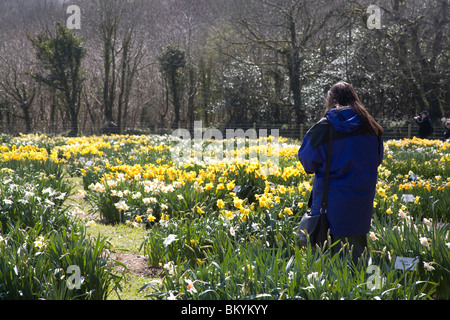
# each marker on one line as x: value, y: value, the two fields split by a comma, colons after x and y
x: 342, y: 94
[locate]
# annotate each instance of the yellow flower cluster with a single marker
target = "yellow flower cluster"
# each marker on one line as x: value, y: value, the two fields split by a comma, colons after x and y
x: 418, y: 143
x: 145, y: 158
x: 124, y: 162
x: 22, y: 153
x: 74, y: 147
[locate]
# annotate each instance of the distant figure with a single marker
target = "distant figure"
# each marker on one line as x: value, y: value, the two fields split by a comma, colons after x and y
x: 425, y: 127
x: 110, y: 128
x: 447, y: 130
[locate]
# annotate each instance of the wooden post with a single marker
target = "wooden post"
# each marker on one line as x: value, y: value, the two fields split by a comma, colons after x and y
x: 409, y: 131
x: 302, y: 128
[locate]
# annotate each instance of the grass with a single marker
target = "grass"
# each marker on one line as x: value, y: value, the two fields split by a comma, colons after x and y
x: 131, y: 289
x: 125, y: 240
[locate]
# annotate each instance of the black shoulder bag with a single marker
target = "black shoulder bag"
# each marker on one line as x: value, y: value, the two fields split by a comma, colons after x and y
x: 316, y: 227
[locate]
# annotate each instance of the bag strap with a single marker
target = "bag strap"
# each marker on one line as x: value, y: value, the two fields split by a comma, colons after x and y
x: 327, y: 172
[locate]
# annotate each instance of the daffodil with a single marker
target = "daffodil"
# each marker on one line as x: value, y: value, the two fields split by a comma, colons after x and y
x: 402, y: 214
x: 228, y: 214
x: 428, y: 266
x: 90, y: 223
x: 190, y: 286
x: 200, y: 210
x: 238, y: 202
x: 121, y: 206
x: 209, y: 186
x: 372, y: 236
x: 39, y: 242
x: 169, y: 266
x: 220, y: 204
x: 200, y: 261
x: 425, y: 242
x: 170, y: 238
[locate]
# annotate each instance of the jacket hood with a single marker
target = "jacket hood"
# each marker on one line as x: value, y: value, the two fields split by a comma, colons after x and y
x: 344, y: 120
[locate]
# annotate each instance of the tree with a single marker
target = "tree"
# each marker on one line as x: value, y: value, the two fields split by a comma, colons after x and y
x: 281, y: 56
x: 120, y: 29
x: 409, y: 56
x: 15, y: 79
x: 60, y: 59
x: 172, y: 59
x: 419, y: 59
x: 287, y: 32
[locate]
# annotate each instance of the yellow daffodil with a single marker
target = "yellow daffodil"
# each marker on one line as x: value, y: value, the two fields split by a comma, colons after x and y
x: 200, y: 210
x: 238, y: 202
x: 220, y: 204
x: 231, y: 185
x: 209, y: 186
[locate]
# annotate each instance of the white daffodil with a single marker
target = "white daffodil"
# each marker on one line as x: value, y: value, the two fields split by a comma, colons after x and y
x: 171, y: 238
x: 428, y: 266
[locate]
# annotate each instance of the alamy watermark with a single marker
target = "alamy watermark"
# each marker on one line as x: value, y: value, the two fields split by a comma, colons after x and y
x: 209, y: 147
x: 74, y: 20
x: 374, y: 19
x: 75, y: 280
x: 374, y: 282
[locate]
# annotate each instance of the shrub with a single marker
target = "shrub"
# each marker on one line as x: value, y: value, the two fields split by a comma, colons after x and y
x: 36, y: 266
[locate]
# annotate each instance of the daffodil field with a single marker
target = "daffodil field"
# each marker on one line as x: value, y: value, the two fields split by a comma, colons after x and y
x: 222, y: 230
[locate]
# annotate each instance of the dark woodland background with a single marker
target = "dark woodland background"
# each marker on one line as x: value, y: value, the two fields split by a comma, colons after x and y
x: 148, y: 65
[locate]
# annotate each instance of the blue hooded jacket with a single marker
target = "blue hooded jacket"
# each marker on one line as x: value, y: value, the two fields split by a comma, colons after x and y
x: 356, y: 156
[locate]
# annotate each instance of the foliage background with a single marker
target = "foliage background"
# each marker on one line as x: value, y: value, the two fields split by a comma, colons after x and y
x: 243, y: 62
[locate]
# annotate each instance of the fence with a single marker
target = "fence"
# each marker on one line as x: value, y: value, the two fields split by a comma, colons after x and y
x: 299, y: 131
x: 287, y: 131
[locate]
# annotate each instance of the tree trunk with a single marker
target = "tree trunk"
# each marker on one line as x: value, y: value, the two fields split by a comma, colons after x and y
x: 191, y: 96
x: 176, y: 99
x: 27, y: 117
x: 293, y: 65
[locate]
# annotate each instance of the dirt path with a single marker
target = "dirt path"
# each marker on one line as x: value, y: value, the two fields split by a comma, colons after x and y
x: 136, y: 264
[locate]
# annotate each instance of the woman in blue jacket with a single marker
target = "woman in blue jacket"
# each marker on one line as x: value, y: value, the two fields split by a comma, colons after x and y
x: 357, y: 151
